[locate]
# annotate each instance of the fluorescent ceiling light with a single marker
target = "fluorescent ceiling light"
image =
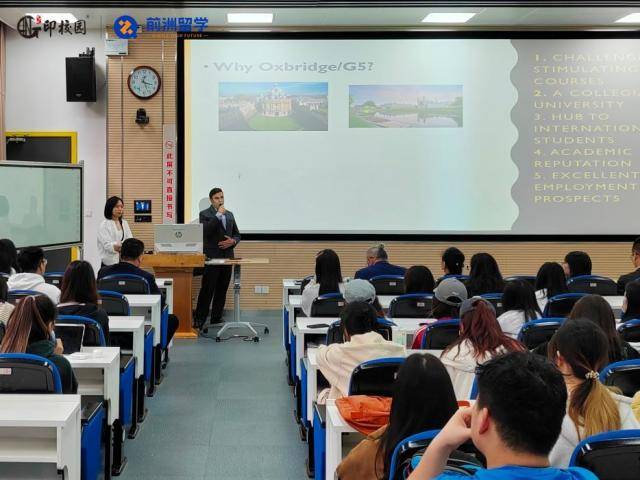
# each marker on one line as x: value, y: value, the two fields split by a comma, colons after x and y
x: 448, y: 17
x: 249, y: 17
x: 53, y: 17
x: 631, y: 18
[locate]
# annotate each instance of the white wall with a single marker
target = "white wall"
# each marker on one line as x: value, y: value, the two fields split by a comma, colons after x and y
x: 36, y: 101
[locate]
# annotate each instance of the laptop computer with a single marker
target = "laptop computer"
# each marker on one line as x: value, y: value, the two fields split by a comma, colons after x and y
x: 183, y: 238
x: 72, y: 336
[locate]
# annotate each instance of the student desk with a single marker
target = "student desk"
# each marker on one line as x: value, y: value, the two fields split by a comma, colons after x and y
x: 289, y: 286
x: 135, y: 327
x: 151, y: 307
x: 41, y: 429
x: 100, y: 375
x: 166, y: 285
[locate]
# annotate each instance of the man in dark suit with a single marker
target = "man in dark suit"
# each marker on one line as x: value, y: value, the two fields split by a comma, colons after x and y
x: 378, y: 264
x: 221, y: 235
x: 635, y: 275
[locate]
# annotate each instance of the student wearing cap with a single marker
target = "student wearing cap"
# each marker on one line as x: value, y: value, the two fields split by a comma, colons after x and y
x: 480, y: 339
x: 362, y: 291
x: 447, y: 297
x: 378, y: 264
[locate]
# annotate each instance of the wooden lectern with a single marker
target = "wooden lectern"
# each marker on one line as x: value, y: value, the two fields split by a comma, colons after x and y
x: 179, y: 267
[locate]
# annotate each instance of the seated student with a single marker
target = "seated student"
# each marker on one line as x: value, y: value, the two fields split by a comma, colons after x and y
x: 635, y: 405
x: 484, y: 276
x: 520, y: 306
x: 362, y: 343
x: 358, y: 290
x: 446, y: 300
x: 328, y: 279
x: 378, y: 264
x: 33, y: 265
x: 631, y: 302
x: 79, y: 295
x: 414, y: 409
x: 5, y: 307
x: 452, y: 261
x: 31, y: 330
x: 8, y: 258
x: 550, y: 281
x: 418, y: 279
x: 514, y: 423
x: 635, y: 275
x: 131, y: 253
x: 576, y: 263
x: 579, y: 349
x: 480, y: 339
x: 597, y: 310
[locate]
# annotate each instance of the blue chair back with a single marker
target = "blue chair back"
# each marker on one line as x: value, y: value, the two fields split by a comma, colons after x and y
x: 15, y: 296
x: 93, y: 333
x: 537, y: 332
x: 26, y: 373
x: 466, y: 456
x: 335, y: 335
x: 440, y: 335
x: 388, y: 284
x: 54, y: 278
x: 495, y: 299
x: 114, y: 303
x: 124, y: 283
x: 530, y: 279
x: 624, y: 375
x: 411, y: 305
x: 610, y: 455
x: 328, y: 305
x: 561, y: 305
x: 630, y: 330
x: 375, y: 377
x: 474, y: 389
x: 592, y: 284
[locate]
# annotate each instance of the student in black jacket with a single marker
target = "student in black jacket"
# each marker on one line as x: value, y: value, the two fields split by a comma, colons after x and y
x: 79, y: 295
x: 31, y: 330
x: 631, y: 303
x: 131, y: 253
x: 635, y: 275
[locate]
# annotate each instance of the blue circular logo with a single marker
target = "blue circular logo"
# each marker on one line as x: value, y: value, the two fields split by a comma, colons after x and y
x: 125, y: 27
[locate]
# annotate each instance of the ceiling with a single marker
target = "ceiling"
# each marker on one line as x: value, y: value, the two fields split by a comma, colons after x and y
x: 384, y: 17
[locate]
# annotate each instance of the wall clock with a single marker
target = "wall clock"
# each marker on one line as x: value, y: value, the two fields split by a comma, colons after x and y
x: 144, y: 82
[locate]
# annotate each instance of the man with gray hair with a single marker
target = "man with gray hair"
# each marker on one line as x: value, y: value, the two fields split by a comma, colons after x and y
x: 378, y: 264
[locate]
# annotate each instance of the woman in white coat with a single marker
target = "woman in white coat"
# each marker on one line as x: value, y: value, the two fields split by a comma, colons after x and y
x: 112, y: 232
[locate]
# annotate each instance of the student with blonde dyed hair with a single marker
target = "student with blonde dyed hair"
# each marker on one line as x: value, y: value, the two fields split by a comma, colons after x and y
x: 580, y: 350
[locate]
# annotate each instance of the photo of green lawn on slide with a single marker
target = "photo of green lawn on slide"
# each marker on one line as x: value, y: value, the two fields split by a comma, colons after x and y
x: 271, y: 106
x: 405, y: 106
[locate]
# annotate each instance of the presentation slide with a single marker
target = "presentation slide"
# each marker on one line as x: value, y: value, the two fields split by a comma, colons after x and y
x: 40, y: 205
x: 415, y: 136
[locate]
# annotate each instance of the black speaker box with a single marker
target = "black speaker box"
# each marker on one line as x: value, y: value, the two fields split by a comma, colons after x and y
x: 81, y: 79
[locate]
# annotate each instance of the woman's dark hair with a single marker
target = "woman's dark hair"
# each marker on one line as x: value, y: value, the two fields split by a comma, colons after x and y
x: 579, y: 263
x: 632, y: 293
x: 418, y: 279
x: 519, y: 295
x: 552, y: 279
x: 8, y: 256
x: 442, y: 310
x: 485, y: 276
x: 110, y: 205
x: 597, y: 310
x: 4, y: 290
x: 423, y: 399
x: 29, y: 323
x: 583, y: 345
x: 79, y: 283
x: 358, y: 318
x: 453, y: 259
x: 328, y: 273
x: 481, y: 328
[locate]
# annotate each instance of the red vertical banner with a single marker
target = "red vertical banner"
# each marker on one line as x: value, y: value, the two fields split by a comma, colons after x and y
x: 169, y: 174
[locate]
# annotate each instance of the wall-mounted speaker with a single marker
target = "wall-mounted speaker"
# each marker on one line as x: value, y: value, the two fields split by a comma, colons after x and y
x: 81, y: 79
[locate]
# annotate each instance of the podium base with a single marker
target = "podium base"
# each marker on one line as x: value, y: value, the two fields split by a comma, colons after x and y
x: 192, y: 335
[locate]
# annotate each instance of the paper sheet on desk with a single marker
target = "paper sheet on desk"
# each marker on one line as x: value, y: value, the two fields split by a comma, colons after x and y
x: 216, y: 261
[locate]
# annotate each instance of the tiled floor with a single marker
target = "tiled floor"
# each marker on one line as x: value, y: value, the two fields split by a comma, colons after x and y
x: 224, y: 411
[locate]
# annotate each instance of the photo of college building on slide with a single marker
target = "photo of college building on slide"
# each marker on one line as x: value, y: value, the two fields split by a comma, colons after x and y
x: 405, y: 106
x: 272, y: 106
